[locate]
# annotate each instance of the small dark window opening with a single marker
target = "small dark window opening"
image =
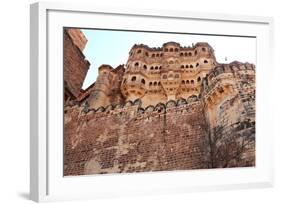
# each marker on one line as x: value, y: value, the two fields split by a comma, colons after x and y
x: 166, y: 50
x: 151, y: 68
x: 153, y: 55
x: 155, y: 83
x: 156, y: 68
x: 144, y: 66
x: 171, y: 49
x: 191, y: 66
x: 134, y: 78
x: 204, y: 49
x: 197, y: 64
x: 139, y: 51
x: 150, y: 84
x: 192, y: 81
x: 181, y: 54
x: 182, y: 82
x: 186, y: 66
x: 190, y: 54
x: 182, y: 66
x: 143, y: 81
x: 187, y: 82
x: 198, y: 79
x: 137, y: 64
x: 205, y: 61
x: 176, y: 49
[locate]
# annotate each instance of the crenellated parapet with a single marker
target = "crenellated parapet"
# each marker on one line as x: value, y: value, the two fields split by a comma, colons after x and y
x: 86, y: 109
x: 228, y: 93
x: 168, y: 108
x: 225, y: 78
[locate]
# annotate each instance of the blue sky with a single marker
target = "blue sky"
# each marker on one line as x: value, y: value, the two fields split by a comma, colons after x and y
x: 112, y: 47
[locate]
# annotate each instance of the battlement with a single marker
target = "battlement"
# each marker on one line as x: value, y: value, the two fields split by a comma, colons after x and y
x: 137, y: 104
x: 168, y: 108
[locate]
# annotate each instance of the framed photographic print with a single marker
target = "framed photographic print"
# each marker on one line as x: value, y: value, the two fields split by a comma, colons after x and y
x: 127, y: 102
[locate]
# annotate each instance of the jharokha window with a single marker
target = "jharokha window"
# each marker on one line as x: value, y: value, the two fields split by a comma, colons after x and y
x: 112, y: 123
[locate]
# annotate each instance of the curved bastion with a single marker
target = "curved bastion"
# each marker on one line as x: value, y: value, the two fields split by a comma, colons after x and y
x: 168, y: 108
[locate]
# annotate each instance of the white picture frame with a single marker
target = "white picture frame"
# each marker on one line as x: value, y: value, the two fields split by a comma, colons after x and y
x: 46, y: 177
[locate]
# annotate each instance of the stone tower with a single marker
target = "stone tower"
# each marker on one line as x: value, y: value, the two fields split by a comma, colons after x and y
x: 168, y: 73
x: 75, y: 65
x: 168, y: 108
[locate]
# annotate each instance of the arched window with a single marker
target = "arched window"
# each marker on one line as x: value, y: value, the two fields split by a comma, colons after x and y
x: 190, y: 54
x: 187, y: 82
x: 195, y: 52
x: 181, y: 54
x: 166, y: 50
x: 150, y: 84
x: 156, y: 68
x: 186, y: 66
x: 159, y: 83
x: 155, y: 83
x: 176, y: 49
x: 143, y: 81
x: 191, y: 66
x: 146, y: 53
x: 153, y: 55
x: 136, y: 64
x: 182, y: 66
x: 160, y: 67
x: 171, y: 49
x: 164, y: 77
x: 197, y: 64
x: 205, y: 61
x: 157, y: 55
x: 198, y: 79
x: 134, y: 78
x: 204, y: 49
x: 139, y: 51
x: 161, y: 54
x: 144, y: 66
x: 151, y: 68
x: 182, y: 82
x: 185, y: 54
x: 177, y: 76
x: 192, y: 81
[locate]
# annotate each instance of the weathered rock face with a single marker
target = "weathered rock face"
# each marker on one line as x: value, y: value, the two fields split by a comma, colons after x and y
x: 137, y: 118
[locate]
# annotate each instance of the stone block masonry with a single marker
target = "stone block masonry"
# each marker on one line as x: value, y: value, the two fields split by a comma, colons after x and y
x: 131, y: 139
x: 168, y: 108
